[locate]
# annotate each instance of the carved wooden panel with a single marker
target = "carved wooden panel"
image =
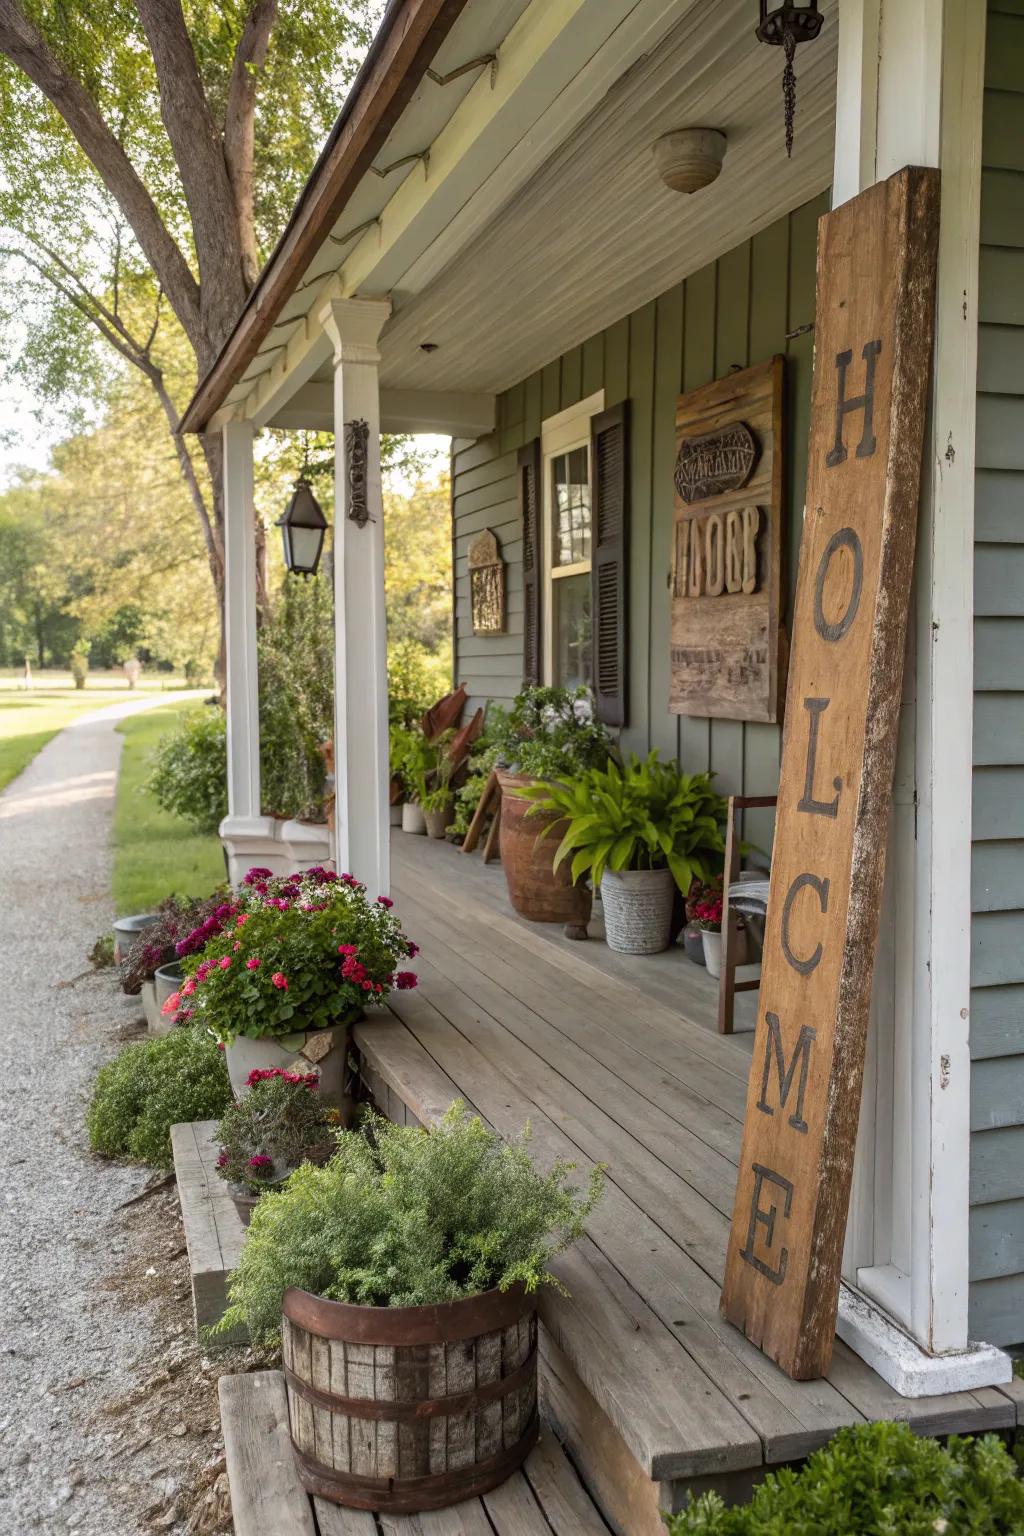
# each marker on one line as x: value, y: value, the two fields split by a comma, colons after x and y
x: 873, y: 342
x: 726, y: 555
x: 487, y: 585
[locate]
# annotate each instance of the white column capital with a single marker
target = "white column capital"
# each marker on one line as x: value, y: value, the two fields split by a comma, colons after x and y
x: 354, y: 326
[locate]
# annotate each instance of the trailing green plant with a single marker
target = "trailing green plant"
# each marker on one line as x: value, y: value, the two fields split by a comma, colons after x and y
x: 644, y: 815
x: 150, y: 1086
x: 550, y: 733
x: 279, y: 1123
x: 876, y: 1480
x: 189, y: 778
x: 424, y: 767
x: 404, y: 1217
x: 296, y: 688
x: 291, y: 953
x: 101, y: 956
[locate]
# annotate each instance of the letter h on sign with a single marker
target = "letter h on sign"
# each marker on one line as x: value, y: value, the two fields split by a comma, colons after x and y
x: 865, y: 402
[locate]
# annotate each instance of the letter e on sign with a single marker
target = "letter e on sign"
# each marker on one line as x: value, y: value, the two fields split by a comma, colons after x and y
x: 873, y: 343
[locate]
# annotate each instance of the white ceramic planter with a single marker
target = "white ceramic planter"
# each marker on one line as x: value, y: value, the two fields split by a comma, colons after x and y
x: 713, y: 951
x: 156, y: 1024
x: 413, y: 819
x: 127, y: 930
x: 243, y: 1055
x: 637, y: 910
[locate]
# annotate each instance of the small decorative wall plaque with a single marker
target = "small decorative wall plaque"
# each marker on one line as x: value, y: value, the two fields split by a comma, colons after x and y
x: 357, y: 437
x: 487, y: 585
x: 727, y: 532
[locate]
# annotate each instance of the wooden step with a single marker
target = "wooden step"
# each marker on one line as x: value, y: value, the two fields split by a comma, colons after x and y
x: 545, y: 1498
x: 213, y: 1228
x: 666, y: 1418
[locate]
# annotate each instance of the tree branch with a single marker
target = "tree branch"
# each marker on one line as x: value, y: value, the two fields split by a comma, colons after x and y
x: 26, y: 48
x: 240, y: 127
x: 199, y: 154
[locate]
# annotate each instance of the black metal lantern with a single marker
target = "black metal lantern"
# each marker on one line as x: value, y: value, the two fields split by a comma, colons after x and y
x: 302, y: 529
x: 786, y: 25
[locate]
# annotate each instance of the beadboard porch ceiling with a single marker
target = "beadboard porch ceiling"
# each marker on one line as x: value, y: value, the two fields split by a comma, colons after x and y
x: 568, y: 227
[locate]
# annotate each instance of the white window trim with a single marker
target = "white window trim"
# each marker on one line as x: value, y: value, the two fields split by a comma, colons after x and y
x: 562, y: 433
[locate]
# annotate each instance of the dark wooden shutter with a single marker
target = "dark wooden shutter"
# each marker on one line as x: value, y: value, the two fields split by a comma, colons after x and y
x: 533, y: 567
x: 609, y: 476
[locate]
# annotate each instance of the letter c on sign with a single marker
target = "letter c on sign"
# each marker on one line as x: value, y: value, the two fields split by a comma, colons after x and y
x: 845, y: 538
x: 805, y: 967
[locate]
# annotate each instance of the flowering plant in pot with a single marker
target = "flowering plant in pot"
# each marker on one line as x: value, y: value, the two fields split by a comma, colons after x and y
x: 156, y: 945
x: 707, y: 914
x: 415, y: 1241
x: 295, y: 965
x: 637, y: 831
x: 282, y: 1122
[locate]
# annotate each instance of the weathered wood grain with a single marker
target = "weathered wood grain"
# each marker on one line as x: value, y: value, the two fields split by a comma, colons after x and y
x: 266, y: 1495
x: 567, y: 1506
x: 876, y: 278
x: 213, y: 1228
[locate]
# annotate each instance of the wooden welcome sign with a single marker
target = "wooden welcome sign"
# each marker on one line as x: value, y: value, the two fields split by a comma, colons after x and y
x: 726, y: 547
x: 875, y: 301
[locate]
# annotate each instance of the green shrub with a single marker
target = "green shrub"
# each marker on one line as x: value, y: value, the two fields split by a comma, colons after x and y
x: 876, y: 1480
x: 403, y: 1217
x: 550, y: 733
x: 79, y: 666
x: 150, y: 1086
x: 296, y: 679
x: 190, y: 776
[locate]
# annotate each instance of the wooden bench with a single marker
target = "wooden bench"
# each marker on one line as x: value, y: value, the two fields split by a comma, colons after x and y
x: 545, y: 1498
x: 213, y: 1228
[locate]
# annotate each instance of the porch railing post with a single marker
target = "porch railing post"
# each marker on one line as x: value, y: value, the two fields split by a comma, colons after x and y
x: 360, y: 656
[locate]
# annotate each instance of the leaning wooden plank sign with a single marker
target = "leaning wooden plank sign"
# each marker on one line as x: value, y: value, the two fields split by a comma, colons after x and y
x: 873, y: 342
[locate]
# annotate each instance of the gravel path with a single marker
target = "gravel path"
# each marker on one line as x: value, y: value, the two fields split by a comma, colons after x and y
x: 69, y: 1344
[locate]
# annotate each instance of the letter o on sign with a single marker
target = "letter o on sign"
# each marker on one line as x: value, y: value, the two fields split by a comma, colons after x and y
x: 844, y: 539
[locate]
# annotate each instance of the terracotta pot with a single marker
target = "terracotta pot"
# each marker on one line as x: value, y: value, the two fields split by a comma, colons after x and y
x: 536, y: 891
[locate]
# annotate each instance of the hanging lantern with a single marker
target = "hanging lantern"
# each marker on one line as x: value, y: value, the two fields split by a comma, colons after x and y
x: 785, y: 26
x: 302, y: 528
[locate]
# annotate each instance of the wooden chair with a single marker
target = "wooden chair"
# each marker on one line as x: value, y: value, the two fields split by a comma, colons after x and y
x: 754, y: 901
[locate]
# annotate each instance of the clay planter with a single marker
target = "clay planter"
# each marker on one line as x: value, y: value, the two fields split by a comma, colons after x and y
x: 537, y: 892
x: 637, y: 910
x: 440, y: 1404
x: 320, y: 1050
x: 438, y: 822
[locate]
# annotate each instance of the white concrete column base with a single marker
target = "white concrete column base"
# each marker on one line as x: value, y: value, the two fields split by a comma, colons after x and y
x: 266, y: 843
x: 902, y: 1362
x: 307, y: 842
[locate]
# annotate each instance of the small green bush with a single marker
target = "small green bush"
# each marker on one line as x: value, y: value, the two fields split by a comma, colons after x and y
x: 296, y: 682
x: 876, y: 1480
x: 190, y: 778
x: 150, y: 1086
x: 405, y: 1217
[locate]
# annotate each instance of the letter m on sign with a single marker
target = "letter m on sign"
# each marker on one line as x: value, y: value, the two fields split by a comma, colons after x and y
x: 873, y: 342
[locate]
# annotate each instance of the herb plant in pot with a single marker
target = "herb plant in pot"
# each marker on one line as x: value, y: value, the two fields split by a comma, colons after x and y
x: 410, y: 1255
x: 281, y: 1123
x: 300, y: 958
x: 638, y: 832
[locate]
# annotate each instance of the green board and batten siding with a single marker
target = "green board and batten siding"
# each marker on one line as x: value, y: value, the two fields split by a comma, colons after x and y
x: 997, y: 873
x: 736, y: 311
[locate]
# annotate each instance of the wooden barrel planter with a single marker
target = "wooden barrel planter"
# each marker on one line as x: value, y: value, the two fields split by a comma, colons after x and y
x: 538, y: 892
x: 402, y: 1409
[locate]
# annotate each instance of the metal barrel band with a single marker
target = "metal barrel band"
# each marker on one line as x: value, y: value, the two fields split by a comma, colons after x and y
x: 436, y: 1490
x: 447, y: 1322
x: 400, y: 1412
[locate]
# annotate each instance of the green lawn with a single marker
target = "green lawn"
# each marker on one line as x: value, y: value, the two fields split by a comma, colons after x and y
x: 29, y: 718
x: 156, y: 854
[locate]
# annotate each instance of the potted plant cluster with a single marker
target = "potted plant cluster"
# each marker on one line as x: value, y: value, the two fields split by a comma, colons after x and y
x: 281, y: 1123
x: 549, y: 736
x: 427, y: 1245
x: 151, y: 968
x: 638, y: 832
x: 296, y: 961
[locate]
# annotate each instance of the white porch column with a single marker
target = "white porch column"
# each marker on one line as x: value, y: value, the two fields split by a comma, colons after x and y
x: 247, y: 836
x: 910, y: 86
x: 360, y: 656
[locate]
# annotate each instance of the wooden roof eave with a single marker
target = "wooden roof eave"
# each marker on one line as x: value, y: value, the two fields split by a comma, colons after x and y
x: 408, y: 38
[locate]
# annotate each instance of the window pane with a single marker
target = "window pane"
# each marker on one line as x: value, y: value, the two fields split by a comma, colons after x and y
x: 570, y: 500
x: 570, y: 597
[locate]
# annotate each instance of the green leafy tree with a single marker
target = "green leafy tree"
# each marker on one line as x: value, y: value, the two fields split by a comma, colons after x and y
x: 149, y: 156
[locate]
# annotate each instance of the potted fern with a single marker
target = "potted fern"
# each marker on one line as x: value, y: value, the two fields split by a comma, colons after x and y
x: 637, y: 831
x: 410, y: 1251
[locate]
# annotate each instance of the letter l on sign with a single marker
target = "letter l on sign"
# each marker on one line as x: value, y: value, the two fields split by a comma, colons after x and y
x: 873, y: 345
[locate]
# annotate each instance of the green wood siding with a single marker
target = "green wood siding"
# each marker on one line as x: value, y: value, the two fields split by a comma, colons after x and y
x: 997, y: 872
x: 737, y: 311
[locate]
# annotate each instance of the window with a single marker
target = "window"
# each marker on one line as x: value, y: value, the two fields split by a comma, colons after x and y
x: 568, y: 634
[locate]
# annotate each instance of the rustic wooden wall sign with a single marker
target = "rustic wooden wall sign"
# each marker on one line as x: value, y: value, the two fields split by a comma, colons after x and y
x: 873, y: 343
x: 486, y: 585
x: 726, y: 547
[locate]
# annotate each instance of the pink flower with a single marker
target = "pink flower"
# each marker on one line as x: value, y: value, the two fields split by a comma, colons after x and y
x: 225, y: 961
x: 172, y: 1004
x: 412, y: 950
x: 347, y: 949
x: 222, y: 1158
x: 280, y: 981
x: 236, y: 946
x: 384, y: 901
x: 188, y: 987
x: 221, y: 1046
x: 241, y: 919
x: 406, y: 980
x: 253, y: 963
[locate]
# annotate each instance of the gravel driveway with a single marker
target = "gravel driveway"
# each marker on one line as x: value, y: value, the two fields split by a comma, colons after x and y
x: 69, y: 1344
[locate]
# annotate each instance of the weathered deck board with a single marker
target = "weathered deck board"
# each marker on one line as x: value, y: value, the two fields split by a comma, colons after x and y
x: 213, y: 1228
x: 267, y: 1498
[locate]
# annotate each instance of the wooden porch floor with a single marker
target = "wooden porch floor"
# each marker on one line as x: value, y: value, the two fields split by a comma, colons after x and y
x: 616, y: 1060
